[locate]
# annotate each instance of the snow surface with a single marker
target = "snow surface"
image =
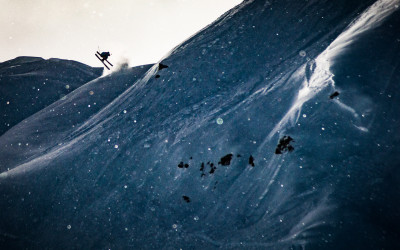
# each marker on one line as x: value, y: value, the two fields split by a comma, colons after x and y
x: 29, y: 84
x: 194, y: 155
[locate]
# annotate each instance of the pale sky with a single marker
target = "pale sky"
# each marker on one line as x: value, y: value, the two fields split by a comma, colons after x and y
x: 140, y: 31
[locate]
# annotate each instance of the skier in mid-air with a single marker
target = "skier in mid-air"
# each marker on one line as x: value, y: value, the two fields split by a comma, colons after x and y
x: 103, y: 56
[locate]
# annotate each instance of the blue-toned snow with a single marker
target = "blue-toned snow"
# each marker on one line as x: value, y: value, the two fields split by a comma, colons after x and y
x: 29, y: 84
x: 129, y: 174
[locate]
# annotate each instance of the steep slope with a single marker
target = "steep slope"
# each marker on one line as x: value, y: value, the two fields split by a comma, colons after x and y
x: 28, y: 84
x: 47, y: 128
x: 273, y: 128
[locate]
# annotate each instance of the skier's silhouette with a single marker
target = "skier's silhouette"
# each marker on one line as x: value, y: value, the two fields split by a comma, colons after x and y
x: 105, y: 55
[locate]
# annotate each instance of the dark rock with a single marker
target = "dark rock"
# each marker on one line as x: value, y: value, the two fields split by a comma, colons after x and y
x: 202, y: 170
x: 251, y: 160
x: 334, y: 95
x: 186, y: 198
x: 157, y: 76
x: 183, y: 165
x: 226, y: 160
x: 202, y: 166
x: 284, y: 145
x: 213, y: 168
x: 162, y: 66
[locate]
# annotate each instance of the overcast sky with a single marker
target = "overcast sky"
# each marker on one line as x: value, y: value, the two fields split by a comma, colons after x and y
x: 141, y: 31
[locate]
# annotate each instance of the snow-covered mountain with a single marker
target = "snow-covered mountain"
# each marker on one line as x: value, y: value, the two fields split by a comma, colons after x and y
x: 276, y: 127
x: 38, y: 133
x: 28, y: 84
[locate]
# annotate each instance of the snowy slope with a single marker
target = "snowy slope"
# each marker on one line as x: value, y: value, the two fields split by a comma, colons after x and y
x: 47, y: 128
x: 28, y: 84
x: 194, y: 156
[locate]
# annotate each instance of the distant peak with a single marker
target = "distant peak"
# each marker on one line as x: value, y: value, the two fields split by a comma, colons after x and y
x: 26, y: 59
x: 56, y: 59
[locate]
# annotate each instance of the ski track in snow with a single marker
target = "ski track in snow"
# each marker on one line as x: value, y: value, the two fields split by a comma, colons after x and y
x: 322, y: 77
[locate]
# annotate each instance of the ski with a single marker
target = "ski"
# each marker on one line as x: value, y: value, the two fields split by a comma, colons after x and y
x: 98, y: 57
x: 109, y: 63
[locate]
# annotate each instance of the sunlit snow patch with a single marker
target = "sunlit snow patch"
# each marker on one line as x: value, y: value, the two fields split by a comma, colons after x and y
x: 322, y: 77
